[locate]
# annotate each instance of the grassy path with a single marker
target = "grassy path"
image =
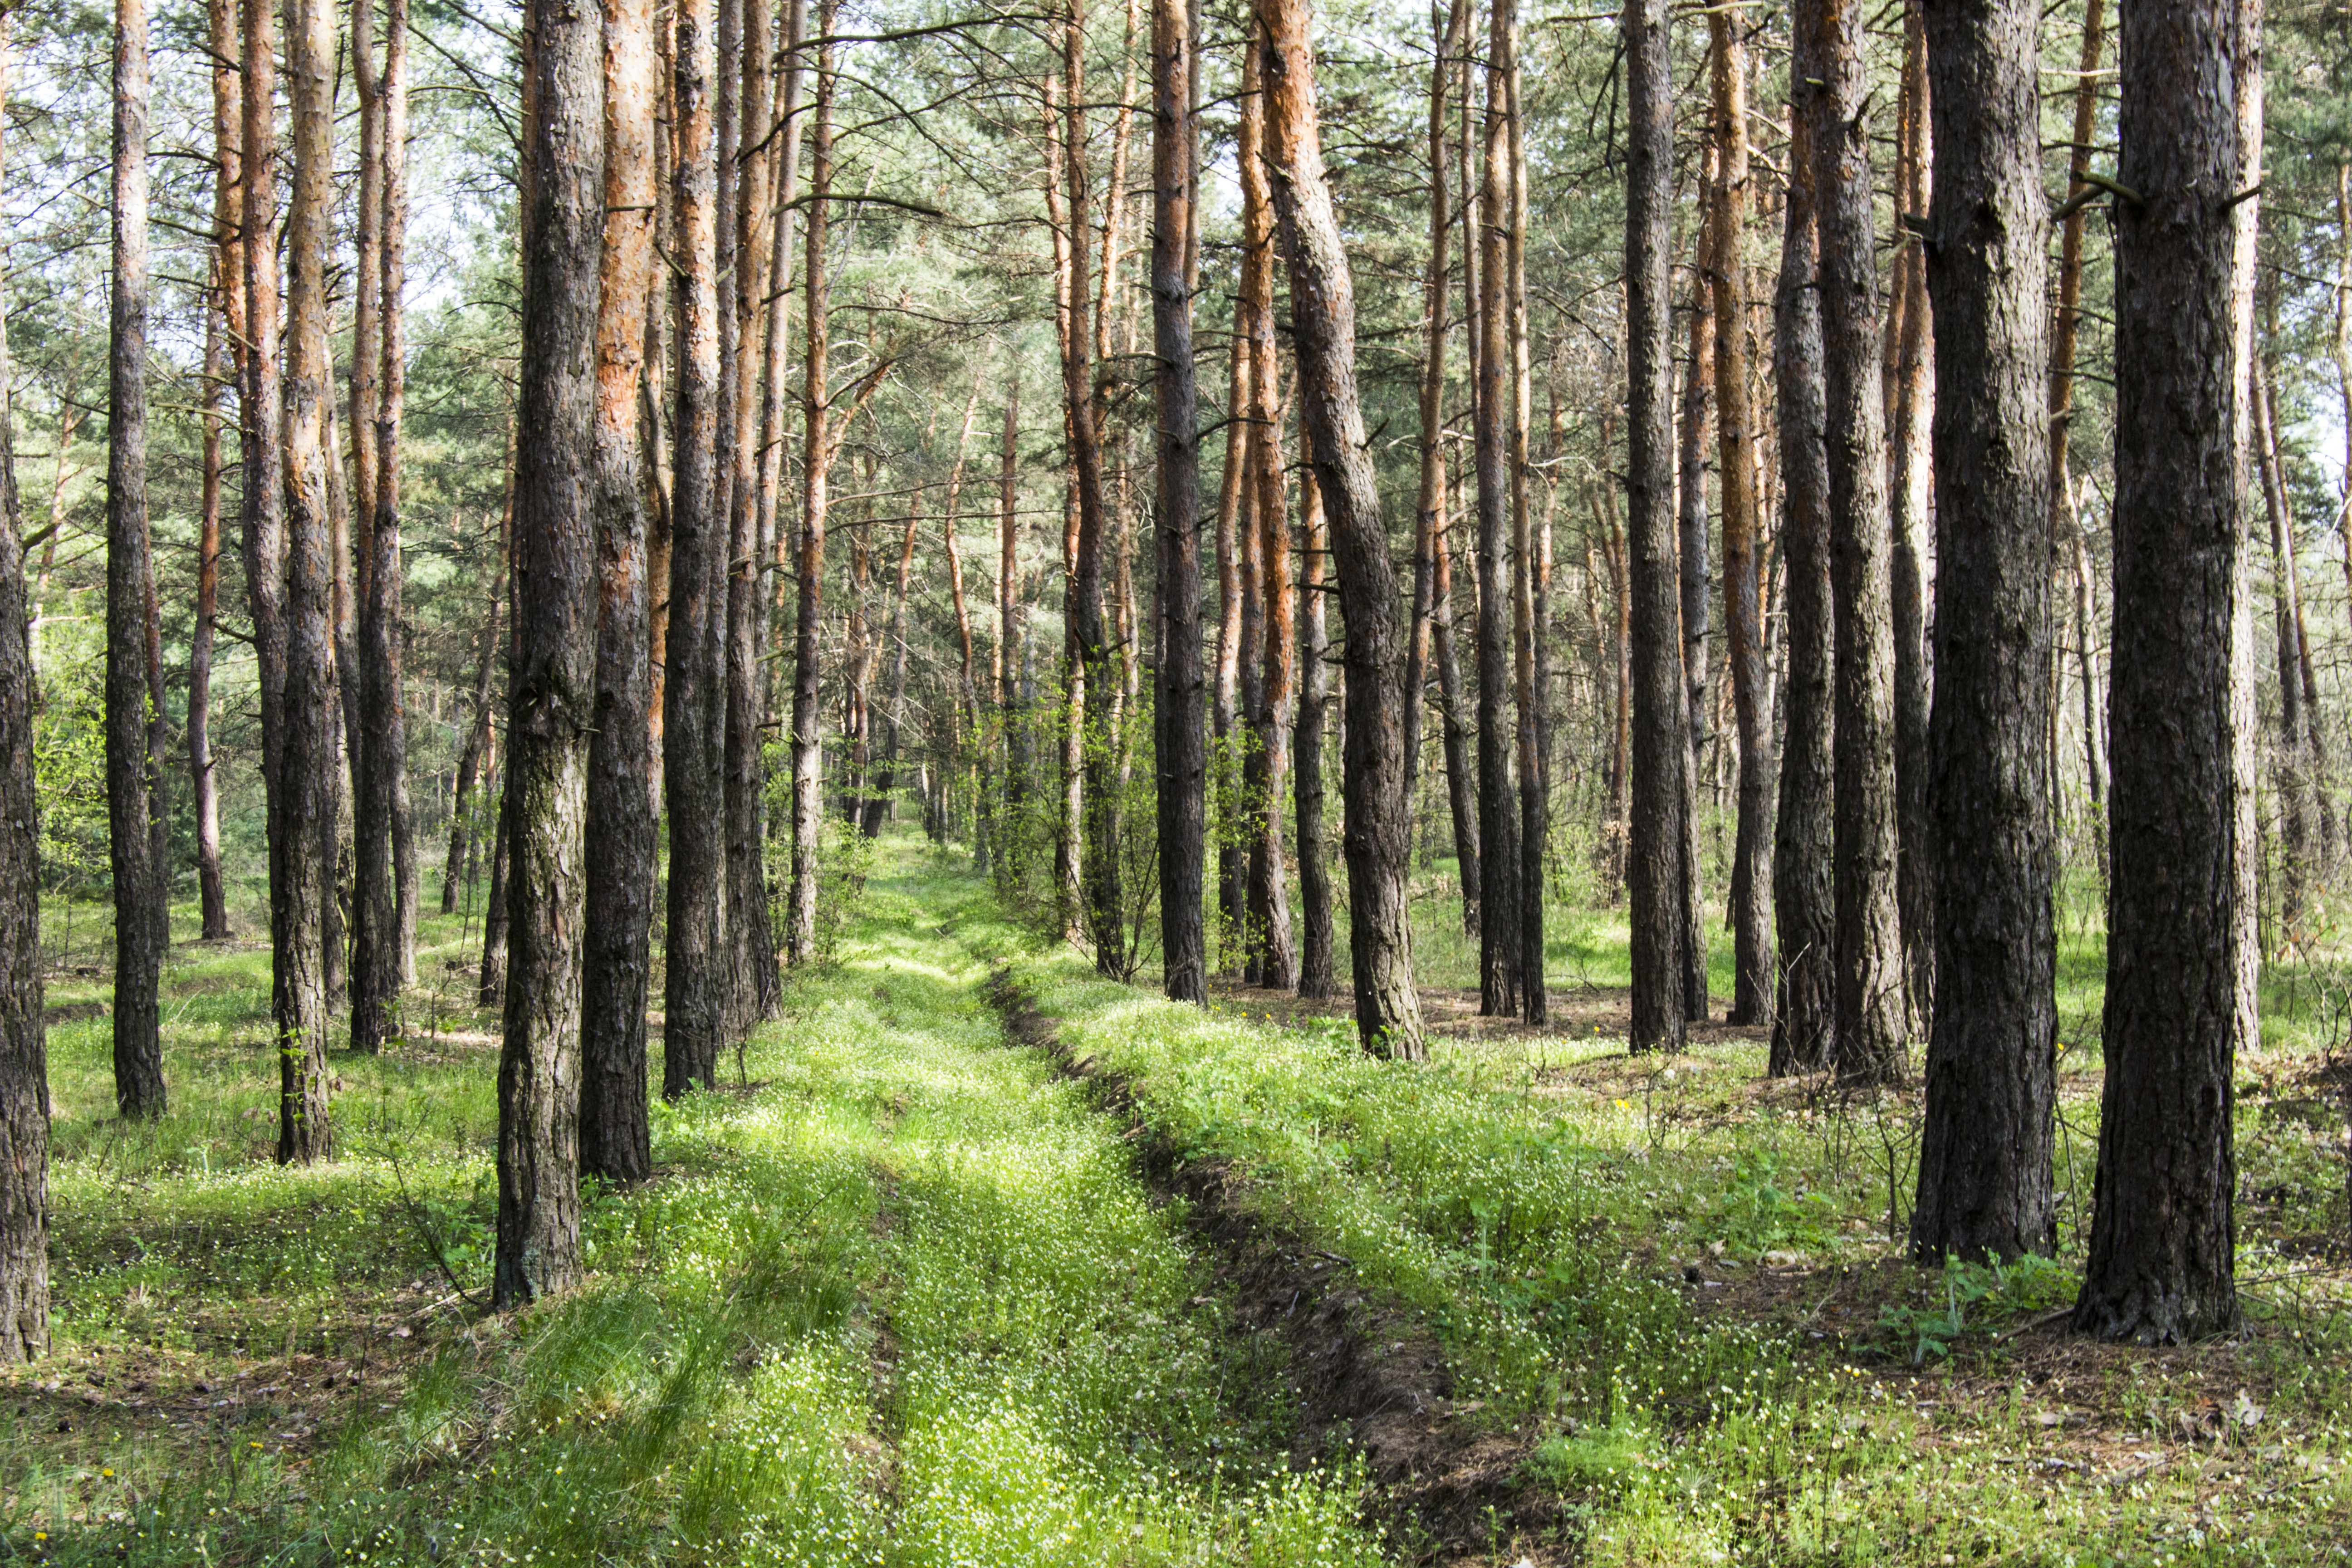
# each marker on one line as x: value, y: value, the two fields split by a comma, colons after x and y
x: 897, y: 1300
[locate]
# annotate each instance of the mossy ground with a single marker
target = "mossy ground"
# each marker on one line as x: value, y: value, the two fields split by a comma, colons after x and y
x: 898, y: 1295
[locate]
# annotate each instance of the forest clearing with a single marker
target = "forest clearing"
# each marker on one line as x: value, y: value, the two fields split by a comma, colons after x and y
x: 976, y: 1258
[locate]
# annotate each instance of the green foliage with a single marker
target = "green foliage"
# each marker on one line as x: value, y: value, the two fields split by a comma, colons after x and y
x: 1990, y: 1291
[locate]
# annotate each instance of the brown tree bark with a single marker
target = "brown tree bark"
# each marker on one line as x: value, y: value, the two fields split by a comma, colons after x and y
x: 1690, y: 527
x: 1874, y: 1022
x: 615, y: 1129
x: 1660, y: 705
x: 2290, y: 769
x: 1181, y: 743
x: 1501, y: 950
x: 24, y: 1056
x: 816, y: 469
x: 695, y: 981
x: 1528, y: 690
x: 1378, y: 831
x: 2181, y: 996
x: 1743, y: 622
x: 1225, y: 691
x: 1804, y: 1020
x: 1269, y: 629
x: 302, y: 870
x: 554, y: 706
x: 1316, y: 966
x: 133, y: 788
x: 1911, y: 394
x: 1984, y: 1181
x: 224, y: 356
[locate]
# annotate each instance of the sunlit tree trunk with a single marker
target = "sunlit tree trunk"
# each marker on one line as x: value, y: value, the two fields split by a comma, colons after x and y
x: 816, y: 466
x: 133, y: 790
x: 24, y: 1056
x: 1912, y: 395
x: 1527, y: 688
x: 1690, y: 527
x: 1378, y: 831
x: 554, y: 684
x: 223, y: 341
x: 1499, y: 945
x: 1315, y: 954
x: 694, y: 989
x: 1660, y: 703
x: 1182, y: 750
x: 1268, y: 617
x: 614, y: 1132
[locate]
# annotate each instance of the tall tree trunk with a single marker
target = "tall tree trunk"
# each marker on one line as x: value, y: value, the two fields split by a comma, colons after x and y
x: 1451, y: 37
x: 2180, y: 995
x: 1224, y: 692
x: 615, y: 1131
x: 1804, y: 1017
x: 1378, y: 831
x: 1872, y: 1019
x: 1913, y: 395
x: 554, y: 706
x: 24, y: 1056
x: 816, y: 466
x: 2292, y: 768
x: 492, y: 990
x: 1985, y: 1184
x: 303, y: 872
x: 1499, y: 943
x: 1743, y: 621
x: 1315, y: 966
x: 1461, y: 788
x: 751, y: 938
x: 2065, y: 329
x: 1268, y: 615
x: 133, y: 790
x: 385, y: 579
x: 1009, y: 639
x: 1526, y: 688
x: 224, y: 348
x: 694, y: 984
x: 470, y: 762
x: 1690, y: 527
x: 1182, y: 744
x: 1660, y: 705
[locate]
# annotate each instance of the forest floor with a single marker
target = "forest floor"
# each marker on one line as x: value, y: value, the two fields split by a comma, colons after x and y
x: 980, y: 1259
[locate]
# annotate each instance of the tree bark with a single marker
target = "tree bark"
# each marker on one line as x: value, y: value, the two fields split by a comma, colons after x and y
x: 1743, y: 621
x: 1268, y: 614
x: 554, y: 706
x: 471, y: 762
x: 1225, y: 693
x: 134, y: 789
x: 1499, y: 938
x: 1985, y: 1182
x: 1804, y: 1019
x: 302, y: 869
x: 1378, y: 831
x: 1872, y: 1018
x: 24, y: 1056
x: 1913, y: 396
x: 1181, y: 749
x: 1690, y: 520
x: 1528, y: 598
x: 1315, y: 977
x: 223, y: 351
x: 2291, y: 769
x: 2181, y: 996
x: 614, y: 1130
x: 1661, y: 706
x: 1461, y: 788
x: 694, y: 986
x: 816, y: 467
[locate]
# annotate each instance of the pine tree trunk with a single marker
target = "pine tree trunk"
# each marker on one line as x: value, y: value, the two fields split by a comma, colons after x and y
x: 1984, y: 1181
x: 554, y: 704
x: 1009, y: 718
x: 615, y: 1131
x: 1660, y: 705
x: 1315, y: 977
x: 1913, y: 395
x: 1182, y: 759
x: 223, y: 351
x: 1461, y: 788
x: 1527, y: 689
x: 2181, y: 996
x: 470, y: 768
x: 2291, y: 768
x: 1224, y: 692
x: 1872, y: 1018
x: 301, y: 872
x: 1743, y: 622
x: 134, y: 789
x: 1690, y: 527
x: 816, y: 472
x: 695, y: 990
x: 492, y: 989
x: 1378, y: 831
x: 1499, y: 938
x: 24, y: 1056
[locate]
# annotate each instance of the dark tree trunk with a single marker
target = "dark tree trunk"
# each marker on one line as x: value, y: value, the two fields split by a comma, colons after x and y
x: 1872, y: 982
x: 1316, y: 976
x: 1743, y: 618
x: 614, y: 1133
x: 24, y: 1056
x: 1690, y: 527
x: 1985, y: 1157
x: 223, y: 341
x: 1499, y: 940
x: 695, y: 978
x: 2180, y: 992
x: 1804, y: 898
x: 554, y: 706
x: 1461, y: 789
x: 1182, y: 749
x: 301, y: 880
x: 1660, y: 709
x: 1378, y: 832
x: 134, y: 789
x: 1527, y: 592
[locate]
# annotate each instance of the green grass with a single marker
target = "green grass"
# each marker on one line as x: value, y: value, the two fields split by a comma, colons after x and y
x: 897, y: 1301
